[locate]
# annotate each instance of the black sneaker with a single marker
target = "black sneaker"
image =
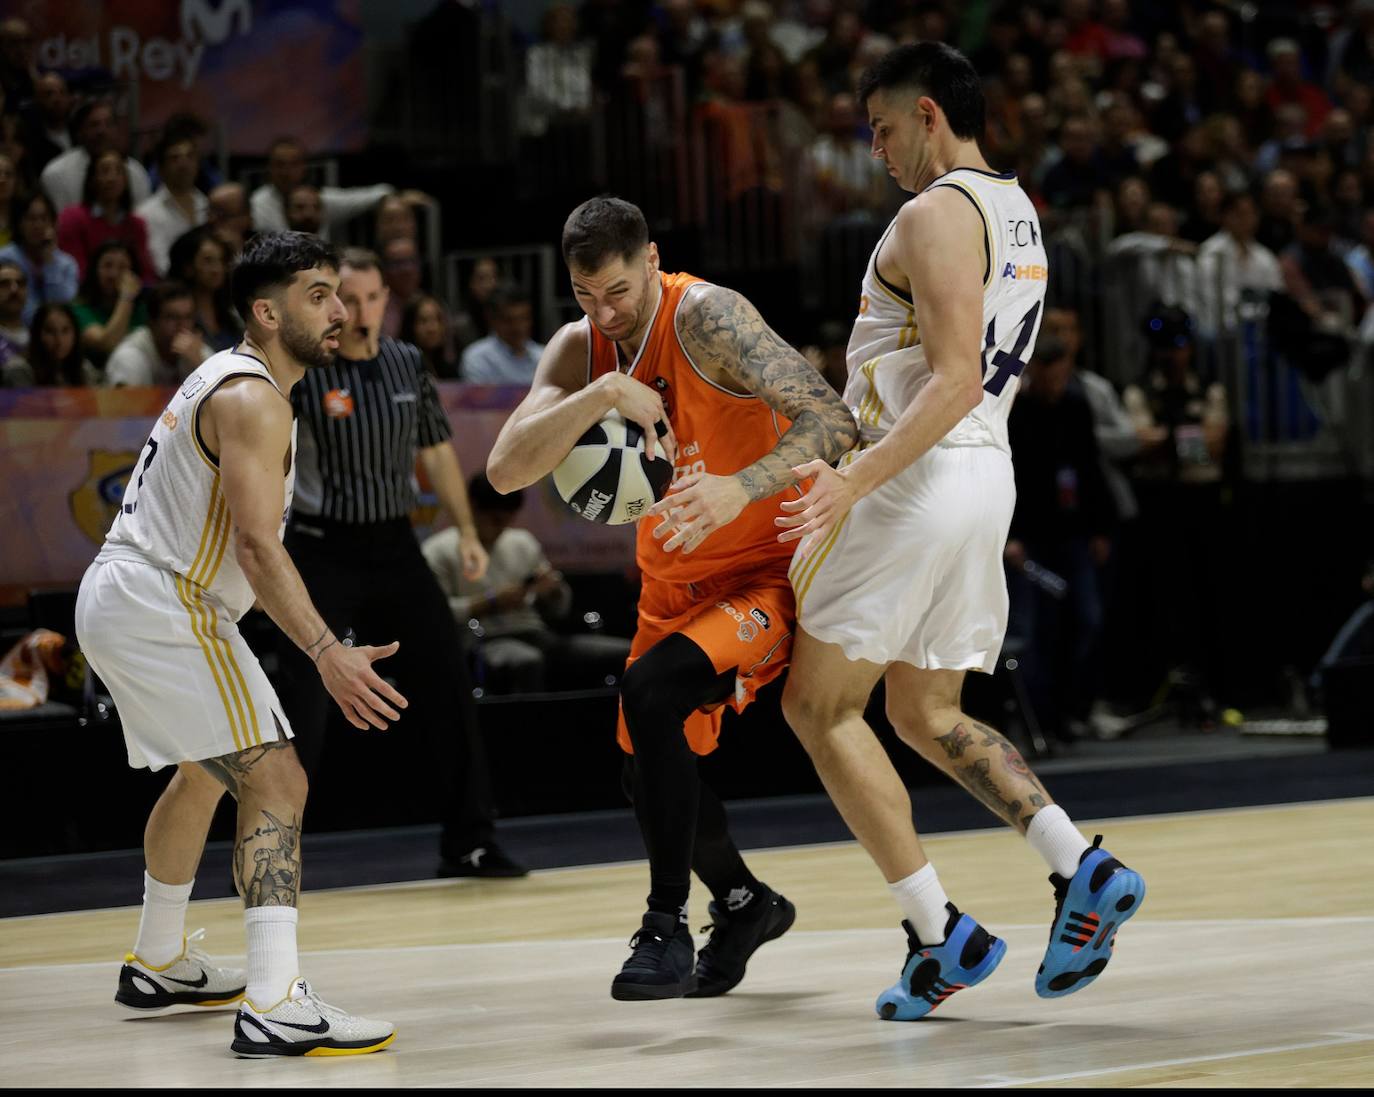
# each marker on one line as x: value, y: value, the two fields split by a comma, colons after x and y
x: 487, y: 860
x: 736, y: 936
x: 661, y: 964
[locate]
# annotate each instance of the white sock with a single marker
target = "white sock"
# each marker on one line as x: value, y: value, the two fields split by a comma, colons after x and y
x: 162, y: 926
x: 923, y: 900
x: 1052, y: 835
x: 272, y: 960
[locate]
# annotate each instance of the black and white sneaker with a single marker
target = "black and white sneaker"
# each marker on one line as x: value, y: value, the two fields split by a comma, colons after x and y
x: 736, y: 936
x: 489, y: 861
x: 189, y: 980
x: 301, y: 1024
x: 660, y: 965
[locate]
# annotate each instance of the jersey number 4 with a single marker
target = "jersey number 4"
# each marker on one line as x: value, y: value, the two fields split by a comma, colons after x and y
x: 1007, y: 365
x: 129, y: 508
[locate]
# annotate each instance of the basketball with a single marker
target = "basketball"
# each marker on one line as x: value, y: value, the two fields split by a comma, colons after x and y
x: 607, y: 478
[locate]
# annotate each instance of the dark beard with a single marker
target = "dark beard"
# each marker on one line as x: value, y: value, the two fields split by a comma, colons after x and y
x: 305, y: 348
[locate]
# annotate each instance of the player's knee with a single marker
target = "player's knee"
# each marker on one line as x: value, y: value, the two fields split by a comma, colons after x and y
x: 278, y: 778
x: 804, y: 710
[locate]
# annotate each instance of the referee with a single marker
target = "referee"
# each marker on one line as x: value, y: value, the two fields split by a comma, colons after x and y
x: 362, y: 421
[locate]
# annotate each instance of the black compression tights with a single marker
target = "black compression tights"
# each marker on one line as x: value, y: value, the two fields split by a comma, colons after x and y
x: 682, y: 820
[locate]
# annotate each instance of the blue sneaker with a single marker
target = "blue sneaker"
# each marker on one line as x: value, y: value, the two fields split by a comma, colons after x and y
x: 1088, y: 910
x: 932, y: 973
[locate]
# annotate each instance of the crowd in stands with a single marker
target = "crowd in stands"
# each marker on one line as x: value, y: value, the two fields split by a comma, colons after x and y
x: 1220, y: 153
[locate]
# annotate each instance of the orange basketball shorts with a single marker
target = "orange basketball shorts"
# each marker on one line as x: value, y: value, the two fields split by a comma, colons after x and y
x: 742, y: 623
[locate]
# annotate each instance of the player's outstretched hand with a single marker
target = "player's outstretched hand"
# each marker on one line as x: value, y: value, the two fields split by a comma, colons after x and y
x: 698, y: 505
x: 348, y: 676
x: 820, y: 511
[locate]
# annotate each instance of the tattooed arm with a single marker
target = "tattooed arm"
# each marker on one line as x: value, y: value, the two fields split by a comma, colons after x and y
x: 730, y: 343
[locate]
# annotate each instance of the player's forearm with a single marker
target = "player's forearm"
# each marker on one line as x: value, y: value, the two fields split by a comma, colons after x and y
x: 528, y: 450
x: 937, y: 410
x: 446, y: 475
x: 280, y: 591
x: 826, y: 432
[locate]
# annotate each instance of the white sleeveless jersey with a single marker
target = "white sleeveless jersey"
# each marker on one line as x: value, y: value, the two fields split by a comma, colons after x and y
x: 887, y: 364
x: 174, y: 515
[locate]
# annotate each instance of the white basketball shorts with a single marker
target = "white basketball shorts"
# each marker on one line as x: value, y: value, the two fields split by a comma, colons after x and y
x: 914, y: 573
x: 182, y: 677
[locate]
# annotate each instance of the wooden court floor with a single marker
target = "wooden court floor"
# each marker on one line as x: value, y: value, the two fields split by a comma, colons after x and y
x: 1251, y: 964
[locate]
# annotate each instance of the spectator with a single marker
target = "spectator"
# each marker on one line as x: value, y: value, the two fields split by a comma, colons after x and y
x: 1062, y: 522
x: 201, y: 260
x: 425, y: 325
x: 1178, y: 485
x: 1339, y: 138
x: 1077, y: 180
x: 1280, y: 211
x: 229, y: 215
x: 17, y: 71
x: 1360, y: 258
x: 1234, y: 267
x: 51, y: 273
x: 395, y: 217
x: 286, y: 169
x: 558, y: 73
x: 165, y: 352
x: 305, y: 209
x: 1216, y: 62
x: 1318, y: 279
x: 93, y: 126
x: 105, y: 213
x: 1204, y: 213
x: 1352, y: 47
x: 108, y: 307
x: 185, y: 126
x: 1288, y: 86
x: 401, y: 272
x: 14, y: 296
x: 508, y: 356
x: 515, y: 602
x: 1226, y: 148
x: 9, y: 185
x: 1181, y: 108
x: 848, y: 183
x: 1289, y: 134
x: 54, y: 356
x: 1132, y: 202
x: 1174, y: 175
x: 1251, y: 110
x: 829, y: 354
x: 835, y: 51
x: 45, y: 122
x: 472, y: 323
x: 1117, y: 151
x: 1348, y: 206
x: 177, y: 206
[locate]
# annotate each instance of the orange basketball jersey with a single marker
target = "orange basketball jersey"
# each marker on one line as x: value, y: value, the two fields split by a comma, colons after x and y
x: 717, y: 431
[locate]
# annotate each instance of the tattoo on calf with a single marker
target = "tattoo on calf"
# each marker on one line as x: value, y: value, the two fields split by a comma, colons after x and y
x: 273, y: 879
x: 956, y: 742
x: 1011, y: 757
x: 977, y: 778
x: 1036, y: 801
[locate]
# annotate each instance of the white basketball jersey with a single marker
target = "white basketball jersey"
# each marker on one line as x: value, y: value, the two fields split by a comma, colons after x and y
x: 887, y: 364
x: 174, y: 515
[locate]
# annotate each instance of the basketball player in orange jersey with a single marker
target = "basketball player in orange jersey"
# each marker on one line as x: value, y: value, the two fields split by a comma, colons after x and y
x: 716, y: 612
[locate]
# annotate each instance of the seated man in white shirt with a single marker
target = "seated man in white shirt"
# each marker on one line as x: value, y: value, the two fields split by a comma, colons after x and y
x: 513, y: 603
x: 1233, y: 266
x: 165, y: 352
x: 286, y: 170
x: 508, y: 356
x: 93, y: 124
x: 177, y: 206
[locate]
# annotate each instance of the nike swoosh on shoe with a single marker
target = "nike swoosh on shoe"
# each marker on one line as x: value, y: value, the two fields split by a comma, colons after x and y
x: 204, y: 978
x: 321, y: 1027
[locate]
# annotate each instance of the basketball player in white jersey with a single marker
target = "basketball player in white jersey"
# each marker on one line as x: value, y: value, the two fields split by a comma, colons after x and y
x: 899, y: 571
x: 197, y: 539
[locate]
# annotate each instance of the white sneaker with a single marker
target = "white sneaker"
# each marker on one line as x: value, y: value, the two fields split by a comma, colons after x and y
x: 301, y: 1024
x: 189, y: 980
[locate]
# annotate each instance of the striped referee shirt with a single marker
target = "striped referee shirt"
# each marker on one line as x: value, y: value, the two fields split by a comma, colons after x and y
x: 361, y: 424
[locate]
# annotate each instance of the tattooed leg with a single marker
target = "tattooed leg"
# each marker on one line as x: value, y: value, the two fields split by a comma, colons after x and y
x: 270, y: 786
x: 174, y: 838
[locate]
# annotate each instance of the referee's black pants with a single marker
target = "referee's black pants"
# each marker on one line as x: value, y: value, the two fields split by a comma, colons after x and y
x: 373, y: 579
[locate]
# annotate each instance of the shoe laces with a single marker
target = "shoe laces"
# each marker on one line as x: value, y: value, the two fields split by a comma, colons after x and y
x: 332, y: 1013
x: 646, y: 941
x: 193, y: 949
